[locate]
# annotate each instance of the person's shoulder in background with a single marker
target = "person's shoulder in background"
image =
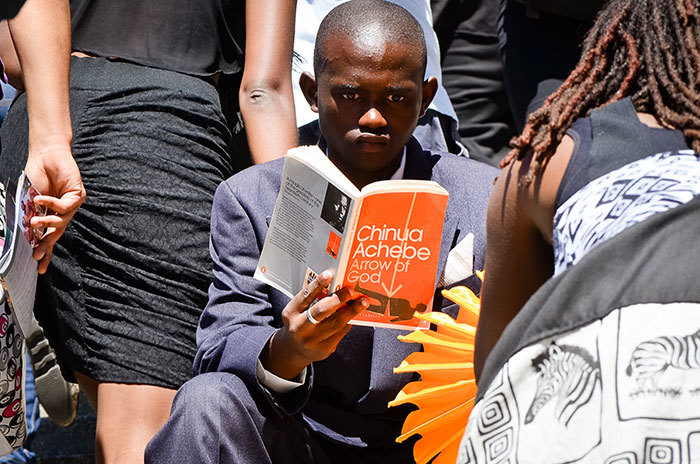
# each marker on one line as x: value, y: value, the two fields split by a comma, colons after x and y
x: 466, y: 176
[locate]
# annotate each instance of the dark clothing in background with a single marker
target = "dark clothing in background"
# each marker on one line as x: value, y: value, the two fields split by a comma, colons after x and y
x: 535, y: 45
x: 10, y: 8
x: 128, y: 279
x: 472, y: 74
x: 198, y: 38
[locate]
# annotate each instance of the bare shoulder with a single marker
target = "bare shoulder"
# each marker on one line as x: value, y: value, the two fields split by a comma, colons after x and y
x: 519, y: 256
x: 538, y: 200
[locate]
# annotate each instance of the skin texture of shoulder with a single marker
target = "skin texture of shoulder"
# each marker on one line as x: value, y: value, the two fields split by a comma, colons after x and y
x: 519, y: 256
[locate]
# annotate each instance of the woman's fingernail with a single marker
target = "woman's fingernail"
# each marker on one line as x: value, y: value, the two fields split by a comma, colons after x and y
x: 325, y: 275
x: 364, y: 302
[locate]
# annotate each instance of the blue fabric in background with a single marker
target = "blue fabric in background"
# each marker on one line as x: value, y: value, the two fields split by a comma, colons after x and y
x: 9, y: 93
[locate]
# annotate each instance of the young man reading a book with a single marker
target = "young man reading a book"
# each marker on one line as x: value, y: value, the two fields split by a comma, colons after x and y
x: 283, y: 380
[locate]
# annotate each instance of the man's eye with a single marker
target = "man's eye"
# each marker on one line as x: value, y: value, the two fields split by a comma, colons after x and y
x: 396, y: 98
x: 351, y: 96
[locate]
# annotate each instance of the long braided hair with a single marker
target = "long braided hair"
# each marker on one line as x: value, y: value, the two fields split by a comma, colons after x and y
x: 645, y: 49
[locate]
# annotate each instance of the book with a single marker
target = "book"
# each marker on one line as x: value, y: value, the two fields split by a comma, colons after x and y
x: 383, y: 240
x: 18, y: 269
x: 18, y: 275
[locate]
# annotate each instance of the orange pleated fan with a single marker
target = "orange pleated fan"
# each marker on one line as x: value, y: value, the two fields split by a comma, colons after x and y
x: 445, y: 394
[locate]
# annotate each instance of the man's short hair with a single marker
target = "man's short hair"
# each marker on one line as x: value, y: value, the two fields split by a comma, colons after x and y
x: 364, y: 18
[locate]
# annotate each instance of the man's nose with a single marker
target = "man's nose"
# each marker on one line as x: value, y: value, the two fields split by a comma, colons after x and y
x: 372, y: 119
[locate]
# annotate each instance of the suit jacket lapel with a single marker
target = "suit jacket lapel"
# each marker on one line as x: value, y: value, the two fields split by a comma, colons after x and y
x: 419, y: 165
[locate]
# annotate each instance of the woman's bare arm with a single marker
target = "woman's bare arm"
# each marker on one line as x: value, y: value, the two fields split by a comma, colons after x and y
x: 41, y: 37
x: 266, y: 100
x: 518, y: 245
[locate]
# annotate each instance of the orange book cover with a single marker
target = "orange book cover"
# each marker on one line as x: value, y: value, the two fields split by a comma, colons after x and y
x: 393, y: 256
x: 383, y: 240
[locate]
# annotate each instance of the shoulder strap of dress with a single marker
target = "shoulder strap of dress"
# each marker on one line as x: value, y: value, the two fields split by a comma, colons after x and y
x: 618, y: 137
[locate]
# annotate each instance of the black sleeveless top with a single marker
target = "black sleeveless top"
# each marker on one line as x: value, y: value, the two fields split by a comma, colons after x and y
x: 10, y: 8
x: 197, y: 37
x: 610, y: 138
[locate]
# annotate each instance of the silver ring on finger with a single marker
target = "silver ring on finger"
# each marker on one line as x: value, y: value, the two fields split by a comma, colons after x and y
x: 311, y: 319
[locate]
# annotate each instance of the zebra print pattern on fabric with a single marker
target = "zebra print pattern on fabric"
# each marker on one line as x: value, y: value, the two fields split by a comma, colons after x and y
x: 583, y: 403
x: 651, y: 358
x: 568, y: 373
x: 631, y: 303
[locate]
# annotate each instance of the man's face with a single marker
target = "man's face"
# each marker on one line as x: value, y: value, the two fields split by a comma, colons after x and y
x: 369, y: 98
x: 341, y: 207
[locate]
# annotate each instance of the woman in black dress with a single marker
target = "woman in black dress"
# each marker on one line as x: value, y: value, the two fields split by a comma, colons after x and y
x: 121, y: 299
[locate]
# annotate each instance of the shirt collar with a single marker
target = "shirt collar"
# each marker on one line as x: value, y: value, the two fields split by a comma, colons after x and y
x: 402, y: 167
x: 398, y: 174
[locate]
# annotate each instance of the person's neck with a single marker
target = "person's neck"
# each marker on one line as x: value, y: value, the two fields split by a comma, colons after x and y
x: 650, y: 120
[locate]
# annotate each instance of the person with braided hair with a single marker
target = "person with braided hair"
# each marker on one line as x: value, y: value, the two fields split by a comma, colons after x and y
x: 592, y: 251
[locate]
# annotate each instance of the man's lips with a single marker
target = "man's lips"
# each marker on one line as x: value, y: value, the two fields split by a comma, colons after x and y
x: 372, y: 139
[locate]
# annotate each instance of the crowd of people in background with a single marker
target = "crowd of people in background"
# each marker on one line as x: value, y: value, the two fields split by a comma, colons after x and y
x: 155, y: 132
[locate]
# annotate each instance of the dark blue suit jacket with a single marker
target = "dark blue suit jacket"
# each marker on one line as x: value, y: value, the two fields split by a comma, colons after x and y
x: 345, y: 396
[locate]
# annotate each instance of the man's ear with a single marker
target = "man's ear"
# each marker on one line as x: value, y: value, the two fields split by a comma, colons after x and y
x: 430, y: 86
x: 307, y: 83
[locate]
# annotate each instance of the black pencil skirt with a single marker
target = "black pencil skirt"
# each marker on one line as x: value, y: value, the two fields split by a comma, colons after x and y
x: 129, y: 278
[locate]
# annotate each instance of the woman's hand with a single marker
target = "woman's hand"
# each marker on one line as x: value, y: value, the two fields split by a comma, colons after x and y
x: 40, y: 36
x: 55, y: 175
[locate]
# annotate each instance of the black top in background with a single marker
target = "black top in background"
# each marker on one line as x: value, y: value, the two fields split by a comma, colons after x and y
x: 10, y: 8
x: 199, y: 37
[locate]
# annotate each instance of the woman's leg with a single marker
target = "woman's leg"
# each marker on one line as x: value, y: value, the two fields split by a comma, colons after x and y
x: 128, y: 416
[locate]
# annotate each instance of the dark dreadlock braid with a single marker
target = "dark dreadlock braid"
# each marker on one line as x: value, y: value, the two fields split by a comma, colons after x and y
x: 648, y: 50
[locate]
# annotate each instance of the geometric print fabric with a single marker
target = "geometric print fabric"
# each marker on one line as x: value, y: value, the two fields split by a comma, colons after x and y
x: 613, y: 202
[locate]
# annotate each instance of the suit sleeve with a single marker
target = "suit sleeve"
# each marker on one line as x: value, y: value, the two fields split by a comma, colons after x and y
x: 239, y: 318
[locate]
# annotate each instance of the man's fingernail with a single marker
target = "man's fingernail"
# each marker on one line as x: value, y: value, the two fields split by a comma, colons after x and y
x: 325, y: 275
x: 364, y: 302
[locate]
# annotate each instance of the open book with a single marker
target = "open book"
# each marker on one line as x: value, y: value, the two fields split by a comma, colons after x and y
x: 384, y: 241
x: 18, y: 274
x: 18, y: 269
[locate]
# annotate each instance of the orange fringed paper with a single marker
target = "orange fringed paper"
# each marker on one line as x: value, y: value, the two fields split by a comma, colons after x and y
x: 445, y: 394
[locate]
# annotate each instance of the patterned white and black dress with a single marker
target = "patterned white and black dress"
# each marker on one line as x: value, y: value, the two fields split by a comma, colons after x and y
x: 602, y: 364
